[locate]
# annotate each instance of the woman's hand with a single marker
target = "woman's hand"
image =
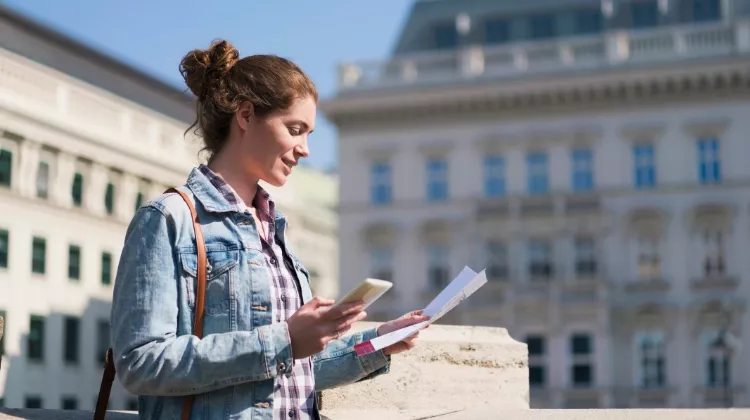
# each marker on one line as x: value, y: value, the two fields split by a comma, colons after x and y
x: 314, y: 324
x: 411, y: 318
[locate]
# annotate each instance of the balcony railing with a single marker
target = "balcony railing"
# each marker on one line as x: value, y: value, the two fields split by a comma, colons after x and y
x: 612, y: 49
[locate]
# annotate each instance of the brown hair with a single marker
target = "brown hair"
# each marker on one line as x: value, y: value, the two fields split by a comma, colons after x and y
x: 222, y: 81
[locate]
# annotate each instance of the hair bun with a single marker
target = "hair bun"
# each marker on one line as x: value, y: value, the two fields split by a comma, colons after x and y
x: 203, y: 70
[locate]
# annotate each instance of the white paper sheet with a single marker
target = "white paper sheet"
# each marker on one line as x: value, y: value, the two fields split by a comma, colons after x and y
x: 464, y: 285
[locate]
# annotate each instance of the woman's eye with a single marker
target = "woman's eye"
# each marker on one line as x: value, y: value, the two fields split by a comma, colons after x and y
x: 294, y: 131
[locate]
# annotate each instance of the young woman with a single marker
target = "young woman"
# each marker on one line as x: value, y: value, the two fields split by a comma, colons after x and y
x: 267, y: 344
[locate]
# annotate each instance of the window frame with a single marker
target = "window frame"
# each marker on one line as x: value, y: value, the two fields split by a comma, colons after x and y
x: 436, y: 174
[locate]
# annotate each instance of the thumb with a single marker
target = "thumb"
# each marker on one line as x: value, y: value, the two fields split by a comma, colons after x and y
x: 410, y: 319
x: 318, y: 302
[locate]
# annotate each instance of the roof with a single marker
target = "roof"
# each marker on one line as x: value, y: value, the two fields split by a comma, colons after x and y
x: 36, y: 41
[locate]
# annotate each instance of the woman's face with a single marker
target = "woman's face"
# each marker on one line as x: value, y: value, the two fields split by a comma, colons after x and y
x: 273, y: 145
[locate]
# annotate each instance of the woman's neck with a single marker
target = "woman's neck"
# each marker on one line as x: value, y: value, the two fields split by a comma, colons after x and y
x: 244, y: 185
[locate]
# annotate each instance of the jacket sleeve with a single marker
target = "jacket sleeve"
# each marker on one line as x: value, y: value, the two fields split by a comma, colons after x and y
x: 150, y: 358
x: 339, y: 365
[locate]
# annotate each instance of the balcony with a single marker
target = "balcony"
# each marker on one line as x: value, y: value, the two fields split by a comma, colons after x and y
x: 574, y: 54
x: 585, y: 283
x: 582, y: 204
x: 651, y: 285
x: 715, y: 283
x: 646, y: 397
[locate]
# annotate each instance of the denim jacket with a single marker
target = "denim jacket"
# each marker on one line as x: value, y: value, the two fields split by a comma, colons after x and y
x: 232, y: 369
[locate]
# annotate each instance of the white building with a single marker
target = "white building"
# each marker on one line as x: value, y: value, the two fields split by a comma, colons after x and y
x: 83, y: 140
x: 593, y: 156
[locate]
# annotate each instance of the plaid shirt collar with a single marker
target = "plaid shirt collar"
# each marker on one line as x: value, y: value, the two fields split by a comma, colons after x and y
x: 262, y: 200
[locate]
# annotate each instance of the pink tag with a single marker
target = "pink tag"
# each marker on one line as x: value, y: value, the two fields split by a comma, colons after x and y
x: 364, y: 348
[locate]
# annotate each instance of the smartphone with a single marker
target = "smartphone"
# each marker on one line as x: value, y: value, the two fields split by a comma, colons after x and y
x: 368, y: 291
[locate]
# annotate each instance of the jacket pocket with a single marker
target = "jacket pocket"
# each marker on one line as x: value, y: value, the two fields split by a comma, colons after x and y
x: 221, y: 273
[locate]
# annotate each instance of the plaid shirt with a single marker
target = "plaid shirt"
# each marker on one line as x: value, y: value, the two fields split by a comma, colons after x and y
x: 293, y: 396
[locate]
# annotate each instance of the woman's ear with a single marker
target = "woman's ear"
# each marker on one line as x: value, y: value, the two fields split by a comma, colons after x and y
x: 244, y: 114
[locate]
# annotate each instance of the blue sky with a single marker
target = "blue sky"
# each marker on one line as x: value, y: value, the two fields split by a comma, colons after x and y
x: 153, y: 35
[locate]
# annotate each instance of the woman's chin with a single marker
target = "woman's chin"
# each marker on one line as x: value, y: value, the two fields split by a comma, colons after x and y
x: 277, y: 180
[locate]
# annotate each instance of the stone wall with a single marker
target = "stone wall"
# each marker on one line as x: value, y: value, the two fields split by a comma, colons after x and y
x: 452, y: 368
x: 456, y: 373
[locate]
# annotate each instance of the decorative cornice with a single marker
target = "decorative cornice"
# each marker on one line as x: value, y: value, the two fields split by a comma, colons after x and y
x: 643, y: 132
x: 714, y: 127
x: 435, y: 148
x: 382, y: 152
x: 570, y: 94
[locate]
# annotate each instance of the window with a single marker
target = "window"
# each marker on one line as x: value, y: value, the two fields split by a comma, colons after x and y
x: 42, y: 180
x: 381, y: 264
x: 102, y: 339
x: 645, y: 171
x: 649, y: 267
x: 69, y: 403
x: 446, y: 37
x: 537, y: 173
x: 494, y: 176
x: 74, y: 262
x: 72, y: 328
x: 709, y: 163
x: 33, y: 402
x: 438, y: 267
x: 542, y: 26
x: 585, y: 257
x: 4, y: 248
x: 589, y: 21
x: 4, y: 316
x: 713, y: 262
x: 706, y: 10
x: 35, y: 339
x: 651, y: 360
x: 106, y: 268
x: 38, y: 255
x: 540, y: 260
x: 644, y: 13
x: 537, y: 366
x: 583, y: 170
x: 380, y: 183
x: 6, y: 167
x: 537, y: 376
x: 77, y: 190
x: 109, y: 199
x: 496, y: 31
x: 582, y: 369
x: 718, y: 364
x: 580, y: 344
x: 138, y: 200
x: 437, y: 179
x: 497, y: 260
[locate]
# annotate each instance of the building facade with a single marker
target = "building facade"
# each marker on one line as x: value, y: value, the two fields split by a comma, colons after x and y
x: 591, y: 156
x: 84, y: 140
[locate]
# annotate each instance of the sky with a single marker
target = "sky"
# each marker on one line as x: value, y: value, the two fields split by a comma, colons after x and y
x: 154, y: 35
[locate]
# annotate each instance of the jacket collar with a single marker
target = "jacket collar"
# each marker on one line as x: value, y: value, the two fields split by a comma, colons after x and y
x: 212, y: 199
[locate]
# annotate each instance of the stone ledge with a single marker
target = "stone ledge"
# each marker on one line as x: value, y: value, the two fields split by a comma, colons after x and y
x: 492, y: 412
x: 452, y: 368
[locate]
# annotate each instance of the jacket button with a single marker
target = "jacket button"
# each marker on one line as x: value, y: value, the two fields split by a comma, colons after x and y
x: 282, y: 367
x: 292, y: 414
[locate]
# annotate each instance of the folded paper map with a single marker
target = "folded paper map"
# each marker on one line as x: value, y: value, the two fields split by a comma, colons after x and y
x: 466, y: 283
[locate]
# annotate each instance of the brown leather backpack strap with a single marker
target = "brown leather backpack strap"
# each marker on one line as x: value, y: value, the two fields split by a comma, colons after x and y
x: 200, y: 305
x: 102, y: 400
x: 200, y: 295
